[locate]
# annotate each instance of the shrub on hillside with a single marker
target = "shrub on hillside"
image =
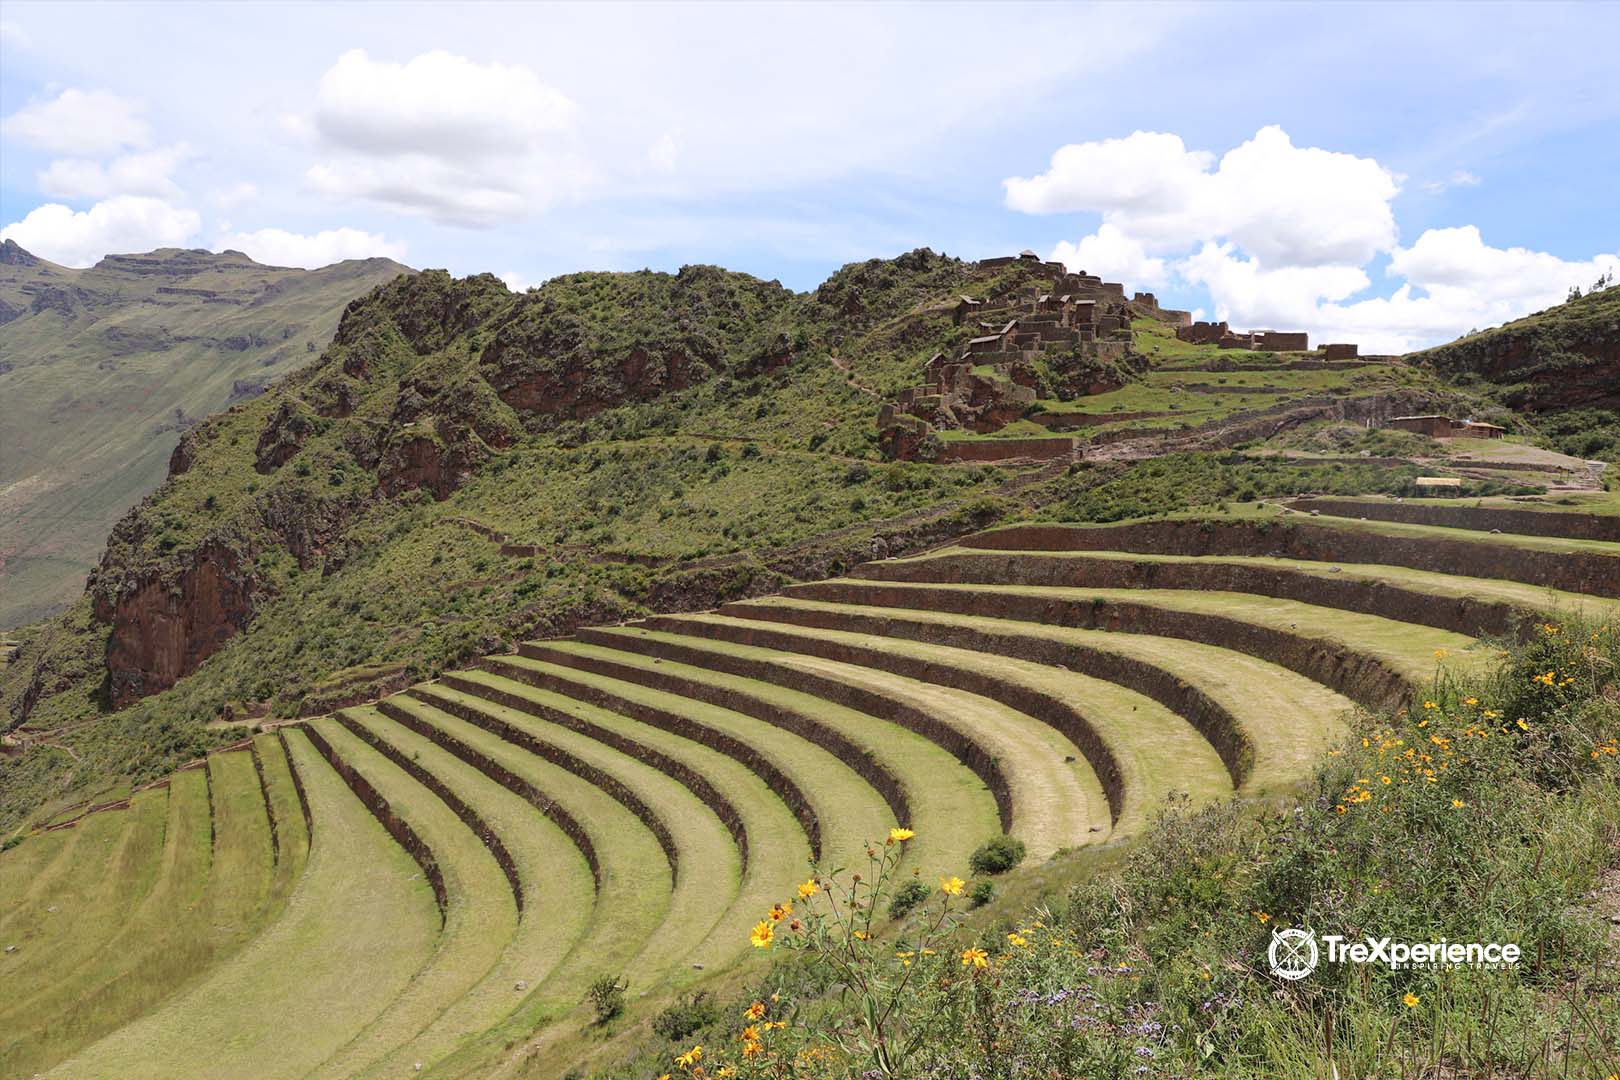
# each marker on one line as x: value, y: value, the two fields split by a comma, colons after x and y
x: 606, y: 996
x: 907, y: 897
x: 983, y: 892
x: 997, y: 856
x: 690, y: 1013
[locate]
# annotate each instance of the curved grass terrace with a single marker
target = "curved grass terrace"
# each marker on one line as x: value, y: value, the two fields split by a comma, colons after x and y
x: 437, y: 879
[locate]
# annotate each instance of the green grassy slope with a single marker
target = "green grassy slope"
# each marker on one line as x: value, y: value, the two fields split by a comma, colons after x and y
x: 103, y: 369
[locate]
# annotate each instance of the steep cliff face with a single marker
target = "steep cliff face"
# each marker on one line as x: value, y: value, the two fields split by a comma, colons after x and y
x: 163, y: 628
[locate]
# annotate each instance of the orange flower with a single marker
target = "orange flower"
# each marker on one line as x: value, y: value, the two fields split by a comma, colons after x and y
x: 975, y: 958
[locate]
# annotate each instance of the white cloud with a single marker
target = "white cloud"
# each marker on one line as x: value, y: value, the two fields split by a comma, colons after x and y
x: 1287, y: 205
x: 145, y: 173
x: 1453, y: 282
x: 664, y: 154
x: 1460, y: 178
x: 123, y: 223
x: 229, y: 198
x: 518, y: 282
x: 441, y: 135
x: 85, y: 123
x: 278, y: 247
x: 1113, y: 256
x: 1281, y: 238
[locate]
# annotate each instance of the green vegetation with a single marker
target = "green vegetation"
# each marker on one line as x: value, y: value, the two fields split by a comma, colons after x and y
x: 1158, y: 959
x: 997, y: 856
x: 1151, y: 760
x: 1554, y: 360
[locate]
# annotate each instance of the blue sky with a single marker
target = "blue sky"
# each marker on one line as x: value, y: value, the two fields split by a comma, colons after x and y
x: 1394, y: 174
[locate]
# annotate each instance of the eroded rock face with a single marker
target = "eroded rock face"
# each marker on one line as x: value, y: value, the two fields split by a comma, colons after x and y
x: 574, y: 391
x: 162, y: 630
x: 421, y: 462
x: 283, y: 436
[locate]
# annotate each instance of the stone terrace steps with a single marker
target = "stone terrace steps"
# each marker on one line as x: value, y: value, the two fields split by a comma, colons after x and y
x: 1374, y: 661
x: 1016, y: 760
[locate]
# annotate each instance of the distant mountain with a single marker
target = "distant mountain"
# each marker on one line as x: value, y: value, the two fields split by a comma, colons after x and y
x: 102, y: 369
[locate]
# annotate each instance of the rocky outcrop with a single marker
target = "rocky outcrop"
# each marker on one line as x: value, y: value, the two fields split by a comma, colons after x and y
x: 283, y: 436
x: 162, y: 629
x: 423, y: 462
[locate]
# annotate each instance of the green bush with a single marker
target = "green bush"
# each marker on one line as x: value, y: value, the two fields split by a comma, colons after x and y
x: 606, y: 996
x: 689, y: 1014
x: 997, y: 856
x: 907, y: 897
x: 983, y: 892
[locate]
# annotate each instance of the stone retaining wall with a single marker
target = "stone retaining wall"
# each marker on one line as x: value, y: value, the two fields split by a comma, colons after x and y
x: 873, y: 771
x: 298, y: 784
x: 553, y: 811
x: 1057, y: 714
x: 1037, y: 449
x: 757, y: 763
x: 1582, y: 572
x: 979, y: 761
x: 396, y: 826
x: 1569, y: 524
x: 469, y: 817
x: 1364, y: 679
x: 687, y: 777
x: 1463, y: 615
x: 1212, y: 720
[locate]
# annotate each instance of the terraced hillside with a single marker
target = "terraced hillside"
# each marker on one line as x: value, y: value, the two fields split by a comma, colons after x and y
x: 438, y: 878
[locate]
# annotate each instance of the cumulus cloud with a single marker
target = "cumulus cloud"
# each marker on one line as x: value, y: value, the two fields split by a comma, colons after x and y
x: 83, y: 123
x: 518, y: 282
x: 1452, y: 282
x: 145, y: 173
x: 278, y: 247
x: 1287, y: 205
x: 1281, y: 238
x: 1113, y: 256
x: 123, y: 223
x: 441, y: 135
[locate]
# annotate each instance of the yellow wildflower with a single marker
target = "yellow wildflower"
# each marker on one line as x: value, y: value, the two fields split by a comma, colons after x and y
x: 1470, y: 701
x: 809, y: 889
x: 951, y: 886
x: 1441, y: 654
x: 781, y: 911
x: 690, y: 1058
x: 1522, y: 725
x: 1430, y: 705
x: 763, y: 934
x: 1457, y: 804
x: 975, y: 958
x: 862, y: 935
x: 1410, y: 1000
x: 1263, y: 917
x: 755, y: 1011
x: 1020, y: 940
x: 898, y: 835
